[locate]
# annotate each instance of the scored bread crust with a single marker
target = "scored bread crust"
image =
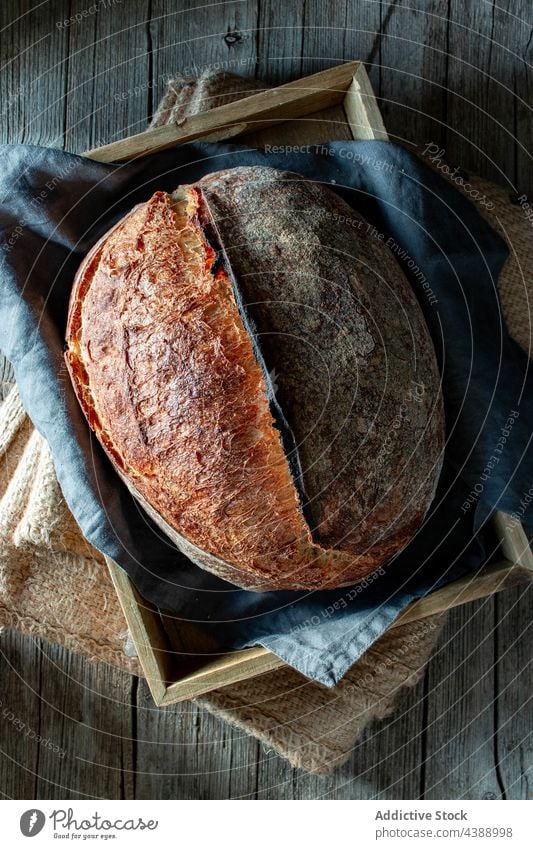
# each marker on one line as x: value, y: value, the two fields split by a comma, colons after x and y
x: 166, y: 372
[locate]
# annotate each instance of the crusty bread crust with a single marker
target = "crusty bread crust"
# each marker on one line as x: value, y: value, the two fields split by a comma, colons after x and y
x: 163, y: 363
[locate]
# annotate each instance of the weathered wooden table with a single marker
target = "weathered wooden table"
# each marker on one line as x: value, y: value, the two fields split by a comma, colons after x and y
x: 449, y: 73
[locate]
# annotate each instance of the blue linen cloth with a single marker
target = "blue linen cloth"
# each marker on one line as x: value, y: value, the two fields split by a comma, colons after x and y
x: 54, y: 206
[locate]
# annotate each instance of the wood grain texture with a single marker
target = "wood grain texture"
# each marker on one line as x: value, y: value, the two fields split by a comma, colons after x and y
x: 280, y: 43
x: 33, y: 59
x: 513, y: 749
x: 192, y: 36
x: 87, y: 712
x: 484, y: 65
x: 107, y: 91
x: 441, y: 741
x: 413, y: 62
x: 459, y: 745
x: 20, y: 711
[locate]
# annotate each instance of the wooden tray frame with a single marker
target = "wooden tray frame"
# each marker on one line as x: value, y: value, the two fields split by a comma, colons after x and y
x: 337, y: 103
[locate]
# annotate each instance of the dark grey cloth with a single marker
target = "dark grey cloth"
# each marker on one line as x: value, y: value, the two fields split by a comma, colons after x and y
x: 55, y: 205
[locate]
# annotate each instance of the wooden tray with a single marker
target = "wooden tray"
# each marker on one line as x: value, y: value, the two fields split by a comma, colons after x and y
x: 334, y: 104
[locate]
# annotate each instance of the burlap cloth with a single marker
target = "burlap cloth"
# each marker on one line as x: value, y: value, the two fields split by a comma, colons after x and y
x: 54, y: 585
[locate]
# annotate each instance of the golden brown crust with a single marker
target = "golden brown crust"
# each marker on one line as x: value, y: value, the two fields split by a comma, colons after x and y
x: 166, y: 373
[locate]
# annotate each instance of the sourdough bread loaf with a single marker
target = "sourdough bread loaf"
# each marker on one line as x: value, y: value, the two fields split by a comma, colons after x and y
x: 256, y: 366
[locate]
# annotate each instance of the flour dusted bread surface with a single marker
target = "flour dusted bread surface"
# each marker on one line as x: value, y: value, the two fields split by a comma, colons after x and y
x: 259, y: 371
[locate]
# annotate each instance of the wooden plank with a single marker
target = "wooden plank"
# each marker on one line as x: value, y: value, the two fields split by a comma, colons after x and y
x: 198, y: 37
x: 413, y: 61
x: 107, y: 93
x: 183, y: 752
x: 513, y: 708
x: 20, y: 751
x: 335, y: 32
x: 459, y: 761
x: 488, y: 581
x: 148, y: 636
x: 516, y: 36
x: 85, y: 711
x: 480, y: 102
x: 280, y: 41
x: 295, y: 99
x: 33, y: 54
x: 226, y: 669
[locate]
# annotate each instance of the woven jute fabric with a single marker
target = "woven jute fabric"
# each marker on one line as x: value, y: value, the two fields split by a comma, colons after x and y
x: 54, y: 585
